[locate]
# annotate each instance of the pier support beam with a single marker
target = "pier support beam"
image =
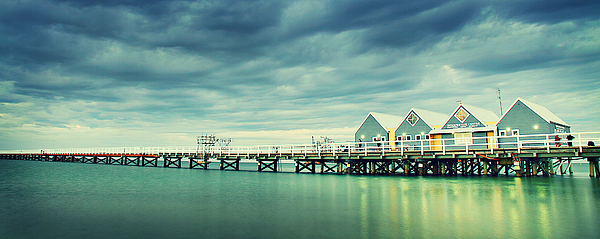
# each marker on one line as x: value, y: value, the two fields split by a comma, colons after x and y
x: 396, y: 166
x: 116, y: 160
x: 562, y: 166
x: 199, y: 163
x: 87, y: 159
x: 174, y: 161
x: 594, y: 169
x: 149, y: 160
x: 308, y: 165
x: 234, y: 164
x: 340, y: 166
x: 101, y: 159
x: 131, y: 160
x: 267, y: 165
x: 382, y: 167
x: 325, y: 168
x: 358, y: 167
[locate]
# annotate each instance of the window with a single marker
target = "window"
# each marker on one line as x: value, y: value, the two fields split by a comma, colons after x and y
x: 427, y: 136
x: 382, y: 138
x: 375, y: 139
x: 399, y: 138
x: 463, y: 138
x: 408, y: 137
x: 515, y: 132
x: 502, y: 132
x: 417, y: 137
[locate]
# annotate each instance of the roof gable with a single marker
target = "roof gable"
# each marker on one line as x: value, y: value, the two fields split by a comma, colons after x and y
x: 463, y: 112
x: 386, y: 121
x: 541, y: 111
x: 429, y: 117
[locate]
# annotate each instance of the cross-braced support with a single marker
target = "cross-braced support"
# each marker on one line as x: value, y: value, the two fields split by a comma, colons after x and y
x: 174, y: 161
x: 267, y: 165
x: 234, y: 164
x: 149, y: 160
x: 562, y: 166
x: 199, y: 163
x: 57, y: 158
x: 382, y: 167
x: 115, y: 160
x: 101, y: 159
x: 358, y: 167
x: 87, y: 159
x: 326, y: 168
x: 533, y: 167
x: 308, y: 165
x: 131, y: 160
x: 409, y: 167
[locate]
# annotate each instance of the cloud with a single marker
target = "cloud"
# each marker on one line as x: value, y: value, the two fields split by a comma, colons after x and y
x: 152, y: 73
x: 548, y: 12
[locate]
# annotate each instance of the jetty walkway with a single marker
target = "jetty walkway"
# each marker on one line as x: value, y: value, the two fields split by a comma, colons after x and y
x: 520, y: 155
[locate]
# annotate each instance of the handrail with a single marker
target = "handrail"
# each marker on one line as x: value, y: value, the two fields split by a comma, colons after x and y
x: 422, y: 146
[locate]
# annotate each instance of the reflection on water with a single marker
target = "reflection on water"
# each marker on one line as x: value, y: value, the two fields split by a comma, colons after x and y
x: 61, y: 200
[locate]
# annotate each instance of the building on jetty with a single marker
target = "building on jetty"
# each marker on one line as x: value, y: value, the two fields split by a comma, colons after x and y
x: 377, y: 127
x: 528, y: 118
x: 467, y: 125
x: 468, y: 142
x: 417, y: 125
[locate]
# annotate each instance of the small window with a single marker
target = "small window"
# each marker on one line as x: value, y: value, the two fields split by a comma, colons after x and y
x: 515, y: 132
x: 502, y: 132
x: 417, y: 137
x: 375, y: 139
x: 427, y: 137
x: 399, y: 138
x: 408, y: 137
x: 382, y: 138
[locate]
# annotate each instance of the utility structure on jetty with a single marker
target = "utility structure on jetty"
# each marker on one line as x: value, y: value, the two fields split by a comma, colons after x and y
x: 518, y: 155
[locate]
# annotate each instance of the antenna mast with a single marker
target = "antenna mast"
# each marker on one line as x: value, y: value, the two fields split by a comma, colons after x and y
x: 499, y: 99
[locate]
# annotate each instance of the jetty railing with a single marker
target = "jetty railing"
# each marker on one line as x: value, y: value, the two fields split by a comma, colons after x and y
x: 441, y: 146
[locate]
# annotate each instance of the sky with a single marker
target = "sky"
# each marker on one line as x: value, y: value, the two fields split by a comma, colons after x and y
x: 120, y: 73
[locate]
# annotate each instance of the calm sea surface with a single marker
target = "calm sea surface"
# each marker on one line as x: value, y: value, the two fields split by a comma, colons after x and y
x: 74, y: 200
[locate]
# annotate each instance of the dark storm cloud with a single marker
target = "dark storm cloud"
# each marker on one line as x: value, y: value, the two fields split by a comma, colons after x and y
x: 41, y: 32
x: 391, y: 23
x: 543, y: 58
x: 550, y: 11
x: 424, y: 27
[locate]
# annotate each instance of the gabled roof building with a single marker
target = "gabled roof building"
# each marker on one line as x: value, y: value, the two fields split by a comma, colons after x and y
x: 418, y: 123
x: 467, y: 125
x: 525, y: 117
x: 467, y: 122
x: 377, y: 127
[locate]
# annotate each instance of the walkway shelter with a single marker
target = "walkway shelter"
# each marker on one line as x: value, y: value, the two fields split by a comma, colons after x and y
x: 528, y: 118
x: 377, y: 127
x: 416, y: 127
x: 463, y: 128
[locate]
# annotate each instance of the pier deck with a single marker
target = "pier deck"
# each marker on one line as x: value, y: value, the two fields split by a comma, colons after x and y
x: 523, y: 157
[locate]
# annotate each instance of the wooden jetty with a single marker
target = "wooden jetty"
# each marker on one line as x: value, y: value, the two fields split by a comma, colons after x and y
x: 522, y: 157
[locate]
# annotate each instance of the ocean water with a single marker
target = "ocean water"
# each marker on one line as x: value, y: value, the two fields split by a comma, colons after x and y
x: 74, y: 200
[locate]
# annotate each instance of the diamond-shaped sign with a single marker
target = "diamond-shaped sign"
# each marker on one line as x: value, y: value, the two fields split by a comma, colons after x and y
x: 412, y: 119
x: 461, y: 115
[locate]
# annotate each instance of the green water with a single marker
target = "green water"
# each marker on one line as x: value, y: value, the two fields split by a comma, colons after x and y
x: 73, y: 200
